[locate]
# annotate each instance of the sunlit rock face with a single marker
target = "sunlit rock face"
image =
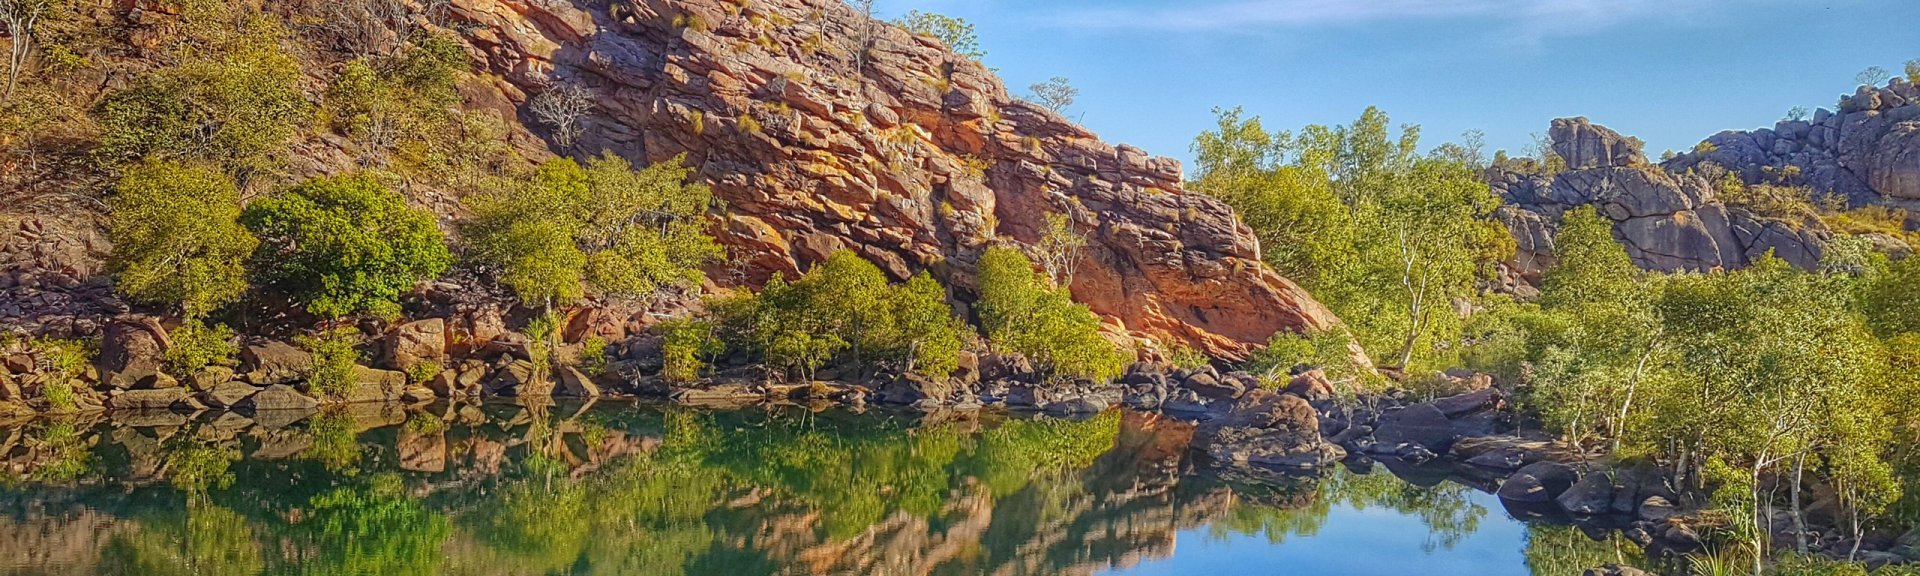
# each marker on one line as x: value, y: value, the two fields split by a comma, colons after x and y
x: 1666, y: 220
x: 911, y: 156
x: 1867, y: 150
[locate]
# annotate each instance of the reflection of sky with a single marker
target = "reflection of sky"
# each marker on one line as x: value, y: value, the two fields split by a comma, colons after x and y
x: 1352, y: 542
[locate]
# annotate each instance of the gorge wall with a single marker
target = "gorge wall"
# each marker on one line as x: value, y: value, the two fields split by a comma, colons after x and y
x: 909, y: 155
x: 1667, y: 220
x: 913, y: 157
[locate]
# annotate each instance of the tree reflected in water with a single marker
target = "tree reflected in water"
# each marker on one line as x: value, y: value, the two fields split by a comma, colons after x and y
x: 498, y: 489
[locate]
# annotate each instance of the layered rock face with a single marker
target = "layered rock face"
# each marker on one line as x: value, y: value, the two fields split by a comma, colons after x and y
x: 1868, y: 151
x: 1667, y: 221
x: 911, y: 156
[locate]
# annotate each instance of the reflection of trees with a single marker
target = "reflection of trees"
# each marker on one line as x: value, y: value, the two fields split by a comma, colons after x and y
x: 1555, y: 550
x: 370, y: 527
x: 533, y: 490
x: 209, y: 541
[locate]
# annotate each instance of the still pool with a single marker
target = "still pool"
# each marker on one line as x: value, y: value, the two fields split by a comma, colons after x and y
x: 619, y: 488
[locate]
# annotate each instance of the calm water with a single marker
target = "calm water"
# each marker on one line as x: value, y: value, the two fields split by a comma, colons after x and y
x: 625, y: 489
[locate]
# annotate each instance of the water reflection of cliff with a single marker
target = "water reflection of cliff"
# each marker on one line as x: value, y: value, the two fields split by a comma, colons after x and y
x: 499, y: 490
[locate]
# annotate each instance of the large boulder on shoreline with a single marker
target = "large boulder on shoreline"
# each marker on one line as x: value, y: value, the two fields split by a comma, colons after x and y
x: 417, y: 341
x: 129, y: 353
x: 1538, y: 483
x: 1421, y: 425
x: 274, y: 363
x: 1271, y: 430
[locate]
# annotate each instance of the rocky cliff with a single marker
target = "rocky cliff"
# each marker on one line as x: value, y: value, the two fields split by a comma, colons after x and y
x: 1667, y: 220
x: 896, y: 148
x: 914, y: 157
x: 1867, y: 150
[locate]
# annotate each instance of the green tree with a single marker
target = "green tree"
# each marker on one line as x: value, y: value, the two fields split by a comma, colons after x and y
x: 1590, y: 266
x: 1387, y: 237
x: 844, y: 309
x: 603, y: 229
x: 234, y: 100
x: 344, y: 245
x: 401, y: 104
x: 956, y: 33
x: 176, y: 238
x: 1022, y: 311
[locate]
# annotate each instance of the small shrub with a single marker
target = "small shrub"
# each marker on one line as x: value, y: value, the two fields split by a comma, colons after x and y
x: 424, y: 423
x: 334, y: 359
x: 540, y: 334
x: 197, y: 345
x: 683, y: 346
x: 61, y: 364
x: 422, y: 371
x: 1183, y: 356
x: 593, y: 356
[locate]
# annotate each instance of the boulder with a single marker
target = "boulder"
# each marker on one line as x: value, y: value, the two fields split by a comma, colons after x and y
x: 413, y: 342
x: 1471, y: 402
x: 514, y: 380
x: 375, y: 385
x: 1539, y: 482
x: 1657, y: 509
x: 1583, y: 145
x: 1078, y: 405
x: 228, y: 394
x: 575, y: 384
x: 1421, y: 425
x: 915, y: 388
x: 1268, y: 429
x: 210, y: 377
x: 129, y: 353
x: 1592, y: 494
x: 278, y: 397
x: 1311, y: 385
x: 1210, y: 385
x: 274, y: 363
x: 152, y: 399
x: 1616, y: 570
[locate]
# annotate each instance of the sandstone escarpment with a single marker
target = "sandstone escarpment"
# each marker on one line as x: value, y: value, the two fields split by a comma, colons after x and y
x: 912, y: 156
x: 1868, y: 150
x: 1668, y: 221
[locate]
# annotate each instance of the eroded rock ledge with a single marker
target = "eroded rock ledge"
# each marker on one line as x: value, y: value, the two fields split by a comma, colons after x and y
x: 915, y: 158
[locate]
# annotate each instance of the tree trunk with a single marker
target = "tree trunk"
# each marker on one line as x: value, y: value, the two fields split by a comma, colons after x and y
x: 1793, y: 492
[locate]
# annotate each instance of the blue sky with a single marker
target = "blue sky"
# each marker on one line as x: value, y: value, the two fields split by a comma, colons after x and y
x: 1669, y: 71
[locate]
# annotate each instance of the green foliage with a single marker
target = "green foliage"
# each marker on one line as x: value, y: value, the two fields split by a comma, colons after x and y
x: 956, y: 33
x: 198, y: 468
x: 403, y: 103
x: 423, y: 371
x: 592, y: 358
x: 344, y: 245
x: 1890, y: 296
x: 1590, y: 266
x: 603, y: 228
x: 176, y: 237
x: 541, y: 331
x: 1386, y: 237
x: 233, y: 100
x: 334, y: 360
x: 64, y: 452
x: 1183, y: 356
x: 845, y: 309
x: 197, y: 345
x: 684, y: 344
x: 61, y: 364
x: 1022, y: 311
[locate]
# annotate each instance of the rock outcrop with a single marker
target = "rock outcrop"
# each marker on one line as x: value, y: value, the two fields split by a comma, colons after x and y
x: 1667, y: 220
x: 912, y: 156
x: 1868, y: 150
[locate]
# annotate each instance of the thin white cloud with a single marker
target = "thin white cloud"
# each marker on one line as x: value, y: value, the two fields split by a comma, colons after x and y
x: 1533, y: 18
